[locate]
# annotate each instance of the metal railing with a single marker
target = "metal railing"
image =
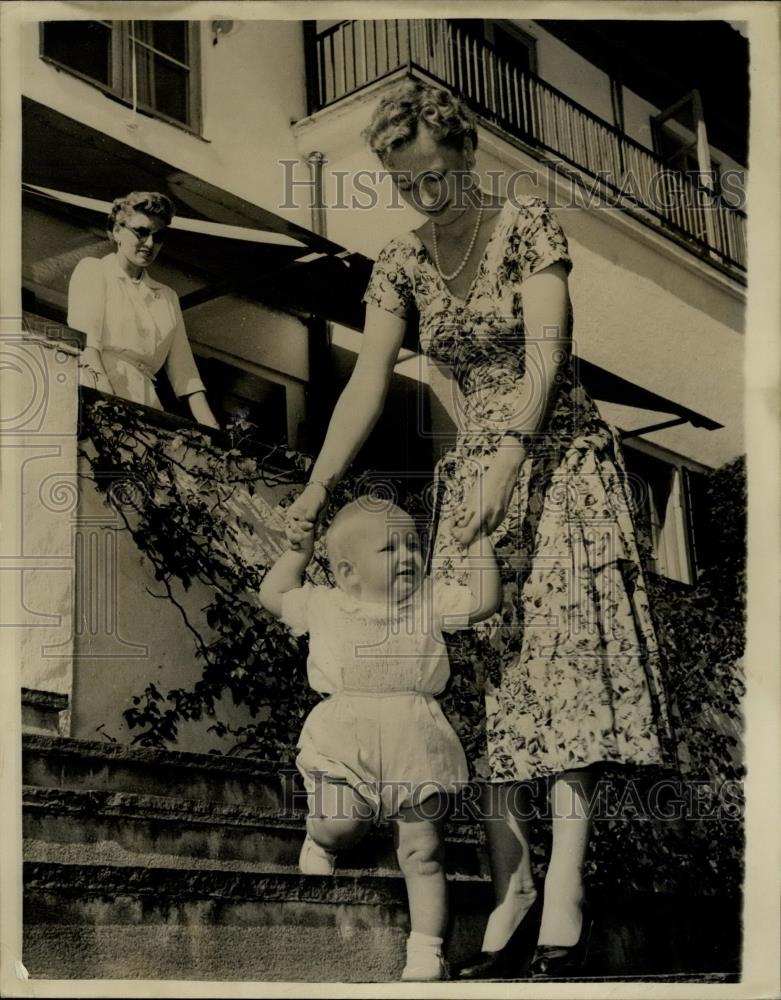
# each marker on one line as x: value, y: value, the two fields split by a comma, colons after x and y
x: 353, y: 54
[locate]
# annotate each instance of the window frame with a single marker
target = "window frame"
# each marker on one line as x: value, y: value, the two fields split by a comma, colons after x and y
x: 675, y: 534
x: 517, y: 33
x: 660, y: 131
x: 663, y: 128
x: 120, y: 63
x: 294, y: 388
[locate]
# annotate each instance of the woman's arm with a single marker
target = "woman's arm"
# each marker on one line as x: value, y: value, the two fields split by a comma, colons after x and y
x: 355, y: 414
x: 201, y: 411
x: 546, y: 307
x: 182, y: 371
x: 484, y: 580
x: 546, y: 318
x: 91, y: 363
x: 86, y: 305
x: 363, y: 398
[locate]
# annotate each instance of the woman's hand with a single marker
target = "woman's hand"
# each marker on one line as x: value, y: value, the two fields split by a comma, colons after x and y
x: 201, y: 411
x: 303, y: 514
x: 92, y: 372
x: 487, y: 504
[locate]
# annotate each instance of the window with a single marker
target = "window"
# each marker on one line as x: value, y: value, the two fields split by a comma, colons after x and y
x: 153, y: 65
x: 512, y: 44
x: 669, y: 511
x: 688, y: 188
x: 507, y: 41
x: 681, y: 141
x: 677, y: 146
x: 485, y: 54
x: 235, y: 392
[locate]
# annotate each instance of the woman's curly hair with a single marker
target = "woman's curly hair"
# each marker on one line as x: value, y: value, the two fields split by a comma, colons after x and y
x: 397, y: 118
x: 151, y: 203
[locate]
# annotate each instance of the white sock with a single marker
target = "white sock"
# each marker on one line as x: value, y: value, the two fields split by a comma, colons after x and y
x: 424, y: 958
x: 424, y: 942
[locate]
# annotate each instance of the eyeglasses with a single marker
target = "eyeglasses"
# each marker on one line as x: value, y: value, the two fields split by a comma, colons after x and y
x: 142, y: 234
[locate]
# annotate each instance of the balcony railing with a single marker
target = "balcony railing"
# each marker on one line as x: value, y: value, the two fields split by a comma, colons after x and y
x: 350, y: 55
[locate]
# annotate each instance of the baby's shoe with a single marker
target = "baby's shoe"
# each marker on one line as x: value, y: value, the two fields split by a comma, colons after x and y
x: 314, y: 859
x: 424, y: 960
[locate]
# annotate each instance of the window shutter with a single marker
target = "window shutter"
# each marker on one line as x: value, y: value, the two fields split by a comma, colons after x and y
x: 698, y: 519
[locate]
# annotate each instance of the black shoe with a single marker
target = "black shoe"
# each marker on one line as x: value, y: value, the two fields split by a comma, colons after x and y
x: 558, y: 961
x: 509, y: 962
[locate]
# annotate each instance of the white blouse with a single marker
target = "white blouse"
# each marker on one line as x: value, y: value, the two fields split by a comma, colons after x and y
x: 357, y: 646
x: 138, y: 328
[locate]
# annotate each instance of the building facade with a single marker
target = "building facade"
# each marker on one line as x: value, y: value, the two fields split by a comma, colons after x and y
x: 273, y: 112
x: 254, y: 127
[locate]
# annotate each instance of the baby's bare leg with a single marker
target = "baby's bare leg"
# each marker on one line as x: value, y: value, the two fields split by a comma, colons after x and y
x: 419, y: 837
x: 338, y: 816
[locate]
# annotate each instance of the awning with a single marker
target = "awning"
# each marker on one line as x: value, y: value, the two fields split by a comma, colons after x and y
x: 67, y: 155
x: 71, y: 169
x: 605, y: 385
x: 233, y: 246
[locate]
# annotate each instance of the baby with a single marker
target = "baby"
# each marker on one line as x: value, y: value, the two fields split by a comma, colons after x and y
x: 379, y: 744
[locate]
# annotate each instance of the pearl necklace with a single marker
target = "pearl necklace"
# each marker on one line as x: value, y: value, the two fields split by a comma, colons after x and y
x: 469, y: 249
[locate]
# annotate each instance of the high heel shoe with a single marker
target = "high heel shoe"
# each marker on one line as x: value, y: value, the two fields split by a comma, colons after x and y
x: 512, y: 960
x: 558, y: 961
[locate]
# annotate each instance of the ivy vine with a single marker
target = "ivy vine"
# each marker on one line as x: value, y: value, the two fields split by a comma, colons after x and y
x: 190, y: 503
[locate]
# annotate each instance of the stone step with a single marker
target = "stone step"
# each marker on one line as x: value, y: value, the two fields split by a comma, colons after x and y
x: 124, y: 921
x: 131, y: 828
x: 109, y: 921
x: 64, y: 763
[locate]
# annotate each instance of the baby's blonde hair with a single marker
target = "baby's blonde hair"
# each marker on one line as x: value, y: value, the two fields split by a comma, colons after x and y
x: 342, y: 528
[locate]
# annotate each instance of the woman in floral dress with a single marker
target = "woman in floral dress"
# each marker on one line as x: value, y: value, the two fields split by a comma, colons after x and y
x: 573, y: 680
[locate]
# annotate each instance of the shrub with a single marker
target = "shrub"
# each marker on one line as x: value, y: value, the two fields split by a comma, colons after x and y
x: 195, y: 515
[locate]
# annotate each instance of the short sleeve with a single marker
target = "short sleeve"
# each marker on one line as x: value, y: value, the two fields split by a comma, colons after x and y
x: 453, y: 603
x: 180, y: 364
x: 390, y: 284
x: 541, y: 239
x: 295, y: 609
x: 87, y: 301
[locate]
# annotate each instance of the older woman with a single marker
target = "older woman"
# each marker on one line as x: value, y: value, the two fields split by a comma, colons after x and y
x: 133, y: 324
x: 574, y: 681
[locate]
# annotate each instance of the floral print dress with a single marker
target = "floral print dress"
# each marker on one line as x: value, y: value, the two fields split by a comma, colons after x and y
x: 572, y: 674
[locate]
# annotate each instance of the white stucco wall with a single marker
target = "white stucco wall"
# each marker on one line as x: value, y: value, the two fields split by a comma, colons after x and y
x: 131, y: 634
x: 40, y: 484
x: 253, y: 86
x: 247, y: 330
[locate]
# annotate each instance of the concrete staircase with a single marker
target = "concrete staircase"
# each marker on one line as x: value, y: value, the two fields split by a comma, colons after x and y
x: 164, y: 865
x: 141, y: 863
